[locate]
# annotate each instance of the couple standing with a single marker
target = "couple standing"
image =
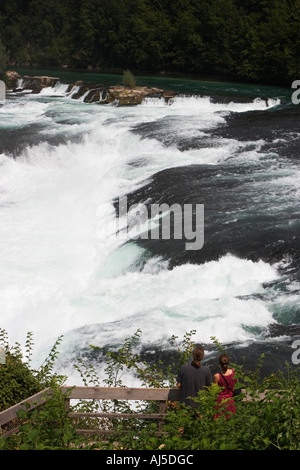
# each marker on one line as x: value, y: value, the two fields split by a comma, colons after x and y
x: 194, y: 377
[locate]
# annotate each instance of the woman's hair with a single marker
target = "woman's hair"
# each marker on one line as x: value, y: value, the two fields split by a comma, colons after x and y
x: 198, y: 355
x: 224, y: 361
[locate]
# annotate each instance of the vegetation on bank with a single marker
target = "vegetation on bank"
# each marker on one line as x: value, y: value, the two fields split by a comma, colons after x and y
x: 272, y: 423
x: 250, y: 40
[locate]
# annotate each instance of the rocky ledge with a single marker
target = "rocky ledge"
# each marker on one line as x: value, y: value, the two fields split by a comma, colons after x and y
x: 87, y: 92
x: 131, y: 96
x: 15, y: 82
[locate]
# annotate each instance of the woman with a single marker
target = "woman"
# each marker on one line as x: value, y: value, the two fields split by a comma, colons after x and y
x: 193, y: 377
x: 226, y: 381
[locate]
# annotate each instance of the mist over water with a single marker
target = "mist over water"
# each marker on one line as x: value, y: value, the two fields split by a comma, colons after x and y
x: 64, y: 270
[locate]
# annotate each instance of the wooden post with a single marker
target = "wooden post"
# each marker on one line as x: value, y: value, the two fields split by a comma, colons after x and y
x: 68, y: 403
x: 162, y: 410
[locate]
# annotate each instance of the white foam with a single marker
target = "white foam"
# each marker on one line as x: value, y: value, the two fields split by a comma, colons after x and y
x: 205, y: 104
x: 154, y: 301
x: 62, y: 266
x: 60, y: 89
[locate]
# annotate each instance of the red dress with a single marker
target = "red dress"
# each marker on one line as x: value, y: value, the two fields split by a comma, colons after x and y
x: 227, y: 385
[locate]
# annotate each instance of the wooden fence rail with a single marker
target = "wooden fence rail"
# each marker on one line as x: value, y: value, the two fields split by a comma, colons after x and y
x: 9, y: 418
x: 161, y: 395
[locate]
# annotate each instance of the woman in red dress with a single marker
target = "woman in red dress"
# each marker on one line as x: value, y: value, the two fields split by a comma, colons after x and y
x: 226, y: 381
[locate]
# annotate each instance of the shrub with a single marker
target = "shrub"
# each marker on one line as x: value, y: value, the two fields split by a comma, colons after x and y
x: 46, y: 427
x: 128, y: 79
x: 18, y: 380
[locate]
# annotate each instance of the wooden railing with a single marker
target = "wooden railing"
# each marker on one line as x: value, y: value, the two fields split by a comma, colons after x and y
x: 9, y: 418
x: 161, y: 395
x: 9, y: 422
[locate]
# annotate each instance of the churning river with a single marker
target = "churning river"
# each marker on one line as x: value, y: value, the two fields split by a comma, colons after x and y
x: 64, y: 164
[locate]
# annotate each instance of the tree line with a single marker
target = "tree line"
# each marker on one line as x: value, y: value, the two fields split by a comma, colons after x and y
x: 253, y: 40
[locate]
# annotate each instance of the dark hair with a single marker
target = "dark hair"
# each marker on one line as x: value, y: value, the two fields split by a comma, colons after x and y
x: 198, y: 355
x: 224, y: 361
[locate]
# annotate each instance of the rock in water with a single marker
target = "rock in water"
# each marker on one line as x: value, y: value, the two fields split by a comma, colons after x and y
x: 11, y: 79
x: 89, y: 92
x: 125, y: 96
x: 36, y: 83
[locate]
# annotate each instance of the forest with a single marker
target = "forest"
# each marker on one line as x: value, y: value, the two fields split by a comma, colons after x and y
x: 249, y: 40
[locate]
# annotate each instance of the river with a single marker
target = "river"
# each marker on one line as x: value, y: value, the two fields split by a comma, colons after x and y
x: 64, y: 167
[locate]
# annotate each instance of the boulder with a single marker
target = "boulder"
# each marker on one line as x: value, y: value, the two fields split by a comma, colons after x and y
x: 88, y: 91
x: 11, y: 79
x: 125, y: 96
x: 36, y: 83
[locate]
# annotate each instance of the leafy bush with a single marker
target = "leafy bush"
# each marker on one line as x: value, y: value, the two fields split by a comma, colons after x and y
x: 18, y: 380
x: 47, y: 427
x: 128, y: 79
x: 44, y: 427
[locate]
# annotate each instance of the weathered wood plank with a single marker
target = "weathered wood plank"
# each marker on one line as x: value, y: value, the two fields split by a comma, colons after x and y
x: 117, y: 415
x: 93, y: 393
x: 29, y: 404
x: 123, y: 393
x: 107, y: 432
x: 94, y: 432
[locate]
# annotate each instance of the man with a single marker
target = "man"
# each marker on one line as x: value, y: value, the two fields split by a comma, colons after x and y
x: 193, y: 377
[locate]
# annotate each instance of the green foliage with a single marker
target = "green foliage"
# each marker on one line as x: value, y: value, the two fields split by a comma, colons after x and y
x: 47, y: 427
x: 46, y: 371
x: 18, y: 379
x: 268, y: 420
x: 249, y: 40
x: 128, y: 79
